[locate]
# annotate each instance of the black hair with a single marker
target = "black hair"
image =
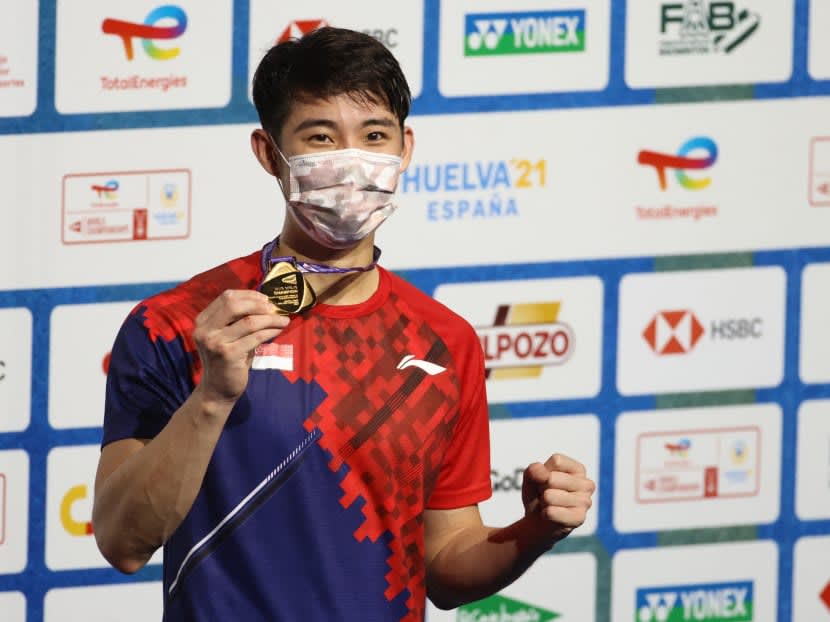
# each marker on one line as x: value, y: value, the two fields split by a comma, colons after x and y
x: 323, y: 64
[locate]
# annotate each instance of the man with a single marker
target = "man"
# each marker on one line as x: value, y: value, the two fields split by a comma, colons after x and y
x: 323, y: 465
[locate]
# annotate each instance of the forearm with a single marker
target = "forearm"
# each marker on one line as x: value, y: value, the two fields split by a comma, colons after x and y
x: 144, y: 500
x: 479, y: 560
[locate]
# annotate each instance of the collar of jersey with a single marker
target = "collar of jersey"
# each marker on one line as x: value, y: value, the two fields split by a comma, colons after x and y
x: 373, y: 303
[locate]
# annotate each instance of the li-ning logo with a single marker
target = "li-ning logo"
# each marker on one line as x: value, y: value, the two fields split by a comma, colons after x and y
x: 683, y: 161
x: 149, y: 31
x: 673, y: 332
x: 430, y: 368
x: 496, y: 34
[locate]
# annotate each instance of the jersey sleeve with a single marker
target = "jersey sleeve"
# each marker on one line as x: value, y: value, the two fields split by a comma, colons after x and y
x: 464, y: 478
x: 145, y: 382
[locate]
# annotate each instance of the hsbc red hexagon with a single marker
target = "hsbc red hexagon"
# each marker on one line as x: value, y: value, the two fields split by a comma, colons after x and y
x: 673, y: 332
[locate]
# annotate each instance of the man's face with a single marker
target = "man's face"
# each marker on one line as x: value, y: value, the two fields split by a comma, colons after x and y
x: 341, y: 123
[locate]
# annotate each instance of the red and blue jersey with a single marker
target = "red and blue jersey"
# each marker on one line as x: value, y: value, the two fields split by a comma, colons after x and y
x: 355, y: 420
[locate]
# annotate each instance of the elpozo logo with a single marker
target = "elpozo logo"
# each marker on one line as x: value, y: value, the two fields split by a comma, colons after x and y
x: 691, y: 166
x: 164, y: 23
x: 700, y: 28
x: 475, y: 190
x: 523, y: 339
x: 529, y: 32
x: 498, y: 608
x: 711, y: 602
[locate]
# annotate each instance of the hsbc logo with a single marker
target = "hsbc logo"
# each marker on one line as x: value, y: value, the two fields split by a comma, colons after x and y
x: 679, y: 331
x: 301, y: 27
x: 673, y: 332
x: 698, y: 330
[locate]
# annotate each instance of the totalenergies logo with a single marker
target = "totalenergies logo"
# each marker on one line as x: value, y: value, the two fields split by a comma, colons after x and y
x: 525, y: 338
x: 149, y: 31
x: 107, y: 191
x: 695, y: 154
x: 680, y: 449
x: 72, y: 526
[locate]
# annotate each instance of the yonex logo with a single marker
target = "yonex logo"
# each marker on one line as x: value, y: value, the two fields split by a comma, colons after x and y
x: 494, y: 34
x: 430, y: 368
x: 713, y: 602
x: 673, y: 332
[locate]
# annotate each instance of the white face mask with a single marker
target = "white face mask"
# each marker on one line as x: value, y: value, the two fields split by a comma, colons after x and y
x: 340, y: 197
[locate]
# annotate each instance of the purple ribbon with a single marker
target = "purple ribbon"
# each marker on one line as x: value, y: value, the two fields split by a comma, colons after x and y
x: 307, y: 266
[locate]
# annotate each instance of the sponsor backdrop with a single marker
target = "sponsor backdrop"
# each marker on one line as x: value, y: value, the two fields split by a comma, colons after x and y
x: 629, y: 201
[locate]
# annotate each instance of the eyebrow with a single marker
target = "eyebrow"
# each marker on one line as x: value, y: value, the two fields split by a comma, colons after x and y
x: 309, y: 123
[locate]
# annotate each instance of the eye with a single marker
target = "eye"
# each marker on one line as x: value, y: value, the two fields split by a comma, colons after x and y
x: 375, y: 136
x: 319, y: 138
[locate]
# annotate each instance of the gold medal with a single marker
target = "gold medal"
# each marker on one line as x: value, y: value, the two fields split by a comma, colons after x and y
x: 287, y: 289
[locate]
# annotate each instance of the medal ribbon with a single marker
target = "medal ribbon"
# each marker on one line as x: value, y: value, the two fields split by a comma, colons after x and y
x: 307, y: 266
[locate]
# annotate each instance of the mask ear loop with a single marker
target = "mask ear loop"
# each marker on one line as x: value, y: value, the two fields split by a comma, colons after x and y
x: 284, y: 159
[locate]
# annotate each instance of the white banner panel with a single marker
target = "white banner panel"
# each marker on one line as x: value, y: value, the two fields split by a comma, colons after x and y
x: 701, y: 330
x: 542, y: 338
x: 818, y: 60
x: 70, y: 484
x: 516, y: 443
x: 14, y: 511
x: 18, y: 58
x: 736, y: 580
x: 489, y: 47
x: 142, y: 55
x: 700, y: 467
x: 811, y: 580
x: 15, y: 369
x: 556, y: 587
x: 812, y: 491
x: 80, y: 345
x: 512, y: 201
x: 814, y: 363
x: 134, y: 602
x: 693, y: 43
x: 399, y: 26
x: 13, y: 606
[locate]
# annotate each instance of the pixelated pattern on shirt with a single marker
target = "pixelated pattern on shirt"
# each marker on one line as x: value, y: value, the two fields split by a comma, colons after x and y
x: 390, y: 427
x: 172, y: 314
